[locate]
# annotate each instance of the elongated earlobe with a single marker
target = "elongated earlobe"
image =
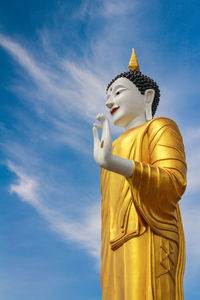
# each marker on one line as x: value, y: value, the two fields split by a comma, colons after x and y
x: 148, y: 113
x: 149, y: 94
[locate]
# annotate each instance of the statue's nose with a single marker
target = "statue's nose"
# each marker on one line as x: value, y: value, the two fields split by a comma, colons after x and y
x: 109, y: 103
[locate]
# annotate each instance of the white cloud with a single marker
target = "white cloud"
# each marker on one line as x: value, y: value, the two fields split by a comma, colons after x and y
x: 112, y: 8
x: 84, y: 232
x: 24, y: 59
x: 64, y: 93
x: 25, y: 188
x: 65, y: 89
x: 106, y: 8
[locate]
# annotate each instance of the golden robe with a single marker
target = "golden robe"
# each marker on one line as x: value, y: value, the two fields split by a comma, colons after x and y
x: 143, y: 250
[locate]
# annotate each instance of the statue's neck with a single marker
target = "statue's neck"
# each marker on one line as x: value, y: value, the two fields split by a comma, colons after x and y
x: 140, y: 120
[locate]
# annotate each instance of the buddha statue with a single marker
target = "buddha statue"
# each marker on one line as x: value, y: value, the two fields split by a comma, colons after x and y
x: 143, y: 176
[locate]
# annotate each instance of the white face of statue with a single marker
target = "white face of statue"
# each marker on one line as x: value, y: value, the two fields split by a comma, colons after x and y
x: 128, y: 107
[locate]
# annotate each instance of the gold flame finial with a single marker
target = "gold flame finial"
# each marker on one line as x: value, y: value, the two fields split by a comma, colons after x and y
x: 133, y: 64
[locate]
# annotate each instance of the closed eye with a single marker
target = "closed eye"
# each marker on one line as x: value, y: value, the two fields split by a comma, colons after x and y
x: 119, y: 91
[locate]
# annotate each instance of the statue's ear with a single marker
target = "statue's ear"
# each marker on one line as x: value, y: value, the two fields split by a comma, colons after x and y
x: 149, y: 96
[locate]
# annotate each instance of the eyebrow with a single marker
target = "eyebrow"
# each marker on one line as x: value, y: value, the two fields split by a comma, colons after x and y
x: 116, y: 88
x: 119, y: 86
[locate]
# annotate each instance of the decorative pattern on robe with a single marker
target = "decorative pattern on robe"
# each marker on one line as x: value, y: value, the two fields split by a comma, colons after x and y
x: 142, y: 235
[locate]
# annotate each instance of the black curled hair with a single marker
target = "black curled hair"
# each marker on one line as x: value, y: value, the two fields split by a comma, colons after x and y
x: 143, y: 83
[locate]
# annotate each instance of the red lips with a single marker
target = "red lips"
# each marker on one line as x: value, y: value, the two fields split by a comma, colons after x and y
x: 114, y: 110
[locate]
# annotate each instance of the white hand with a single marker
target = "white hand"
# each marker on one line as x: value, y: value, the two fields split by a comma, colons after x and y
x: 103, y: 150
x: 103, y: 147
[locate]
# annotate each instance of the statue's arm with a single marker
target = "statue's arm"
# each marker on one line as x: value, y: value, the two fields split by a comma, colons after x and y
x: 164, y: 176
x: 103, y: 150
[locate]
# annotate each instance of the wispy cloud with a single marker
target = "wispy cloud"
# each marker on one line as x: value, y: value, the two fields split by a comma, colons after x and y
x: 36, y: 72
x: 62, y: 96
x: 106, y: 8
x: 26, y: 187
x: 67, y: 90
x: 66, y: 85
x: 85, y: 233
x: 118, y: 9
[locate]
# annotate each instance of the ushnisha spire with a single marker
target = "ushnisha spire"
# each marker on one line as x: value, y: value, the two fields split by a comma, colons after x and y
x: 133, y: 64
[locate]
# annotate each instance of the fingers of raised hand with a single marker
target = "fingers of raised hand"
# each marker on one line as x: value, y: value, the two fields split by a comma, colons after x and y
x: 96, y: 136
x: 97, y: 126
x: 101, y: 118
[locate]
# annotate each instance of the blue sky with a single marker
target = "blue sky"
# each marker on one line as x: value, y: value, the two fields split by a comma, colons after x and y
x: 56, y: 59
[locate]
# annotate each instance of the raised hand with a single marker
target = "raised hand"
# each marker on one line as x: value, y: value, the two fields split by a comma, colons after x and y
x: 103, y: 146
x: 103, y: 150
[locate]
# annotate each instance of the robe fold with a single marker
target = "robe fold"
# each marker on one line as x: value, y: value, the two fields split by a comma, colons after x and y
x: 143, y: 249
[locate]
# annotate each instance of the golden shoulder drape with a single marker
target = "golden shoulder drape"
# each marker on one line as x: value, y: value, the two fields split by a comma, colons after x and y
x: 142, y: 237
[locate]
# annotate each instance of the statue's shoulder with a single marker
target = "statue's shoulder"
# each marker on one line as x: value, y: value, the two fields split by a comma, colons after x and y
x: 160, y: 125
x: 159, y: 122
